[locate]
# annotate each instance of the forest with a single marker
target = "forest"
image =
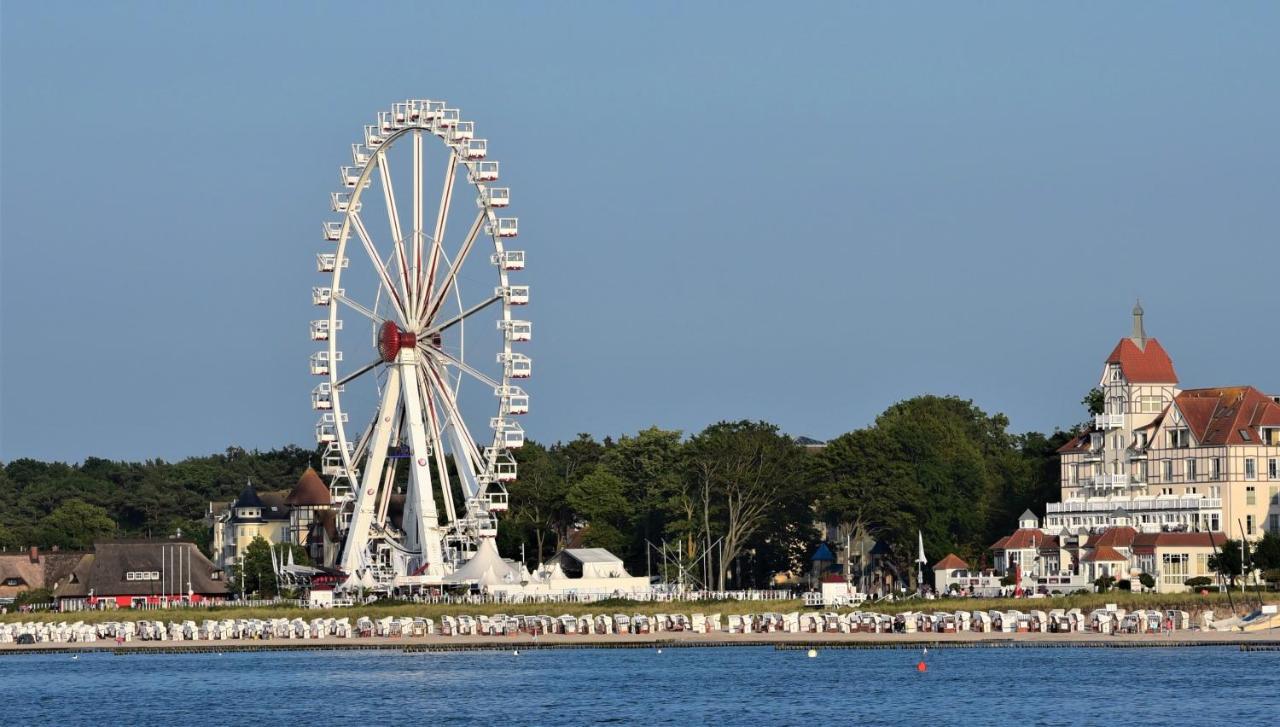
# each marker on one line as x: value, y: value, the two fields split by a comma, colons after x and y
x: 745, y: 490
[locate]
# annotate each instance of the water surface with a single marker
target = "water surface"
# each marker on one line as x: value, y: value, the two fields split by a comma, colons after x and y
x: 722, y: 686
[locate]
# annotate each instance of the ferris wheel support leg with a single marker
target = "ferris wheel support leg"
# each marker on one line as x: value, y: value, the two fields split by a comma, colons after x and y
x: 367, y: 496
x: 421, y: 501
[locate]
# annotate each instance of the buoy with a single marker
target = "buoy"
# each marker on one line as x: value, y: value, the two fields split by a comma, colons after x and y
x: 516, y: 652
x: 659, y: 651
x: 813, y: 653
x: 921, y: 666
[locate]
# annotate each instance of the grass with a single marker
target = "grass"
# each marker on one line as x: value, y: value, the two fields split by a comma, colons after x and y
x: 1191, y: 602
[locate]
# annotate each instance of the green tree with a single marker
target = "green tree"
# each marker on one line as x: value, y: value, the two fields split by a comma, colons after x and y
x: 749, y: 475
x: 1228, y: 562
x: 600, y: 499
x: 1147, y: 580
x: 1266, y: 552
x: 74, y: 525
x: 1095, y: 401
x: 254, y: 575
x: 1104, y: 583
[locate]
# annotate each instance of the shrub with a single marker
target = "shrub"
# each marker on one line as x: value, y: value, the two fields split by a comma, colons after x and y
x: 1125, y: 585
x: 1199, y: 582
x: 1104, y: 583
x: 1147, y: 580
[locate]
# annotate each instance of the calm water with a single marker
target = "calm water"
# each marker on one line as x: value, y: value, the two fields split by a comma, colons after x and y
x: 723, y: 686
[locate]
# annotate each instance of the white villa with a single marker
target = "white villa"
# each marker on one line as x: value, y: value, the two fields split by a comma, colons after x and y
x: 1163, y: 459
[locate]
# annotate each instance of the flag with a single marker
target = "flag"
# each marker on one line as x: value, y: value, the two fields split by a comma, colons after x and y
x: 920, y: 558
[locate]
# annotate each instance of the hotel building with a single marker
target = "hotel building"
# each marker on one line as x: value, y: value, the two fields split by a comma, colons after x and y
x: 1163, y: 459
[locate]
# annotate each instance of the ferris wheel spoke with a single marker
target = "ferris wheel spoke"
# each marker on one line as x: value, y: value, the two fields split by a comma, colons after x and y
x: 463, y: 315
x: 442, y: 219
x: 463, y: 366
x: 437, y: 447
x: 358, y: 373
x: 455, y: 417
x: 380, y: 267
x: 438, y: 296
x: 415, y: 279
x: 397, y: 236
x: 359, y: 308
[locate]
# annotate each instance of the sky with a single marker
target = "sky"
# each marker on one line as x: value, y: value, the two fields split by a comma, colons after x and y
x: 798, y: 213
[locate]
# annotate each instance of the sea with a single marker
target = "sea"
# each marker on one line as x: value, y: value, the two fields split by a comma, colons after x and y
x: 677, y: 686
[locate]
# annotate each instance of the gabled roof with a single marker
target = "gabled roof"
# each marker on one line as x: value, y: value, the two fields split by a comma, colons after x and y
x: 1148, y: 542
x: 1119, y: 536
x: 1104, y: 553
x: 1146, y: 364
x: 105, y: 571
x: 1217, y: 416
x: 1080, y: 443
x: 951, y: 562
x: 1025, y: 538
x: 309, y: 492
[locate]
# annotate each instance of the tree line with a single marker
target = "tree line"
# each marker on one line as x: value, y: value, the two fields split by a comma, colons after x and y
x: 744, y: 490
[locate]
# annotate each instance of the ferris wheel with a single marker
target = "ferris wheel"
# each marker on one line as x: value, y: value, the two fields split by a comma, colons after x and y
x: 419, y: 348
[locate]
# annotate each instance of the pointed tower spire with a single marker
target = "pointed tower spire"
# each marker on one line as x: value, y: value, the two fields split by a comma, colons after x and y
x: 1139, y: 333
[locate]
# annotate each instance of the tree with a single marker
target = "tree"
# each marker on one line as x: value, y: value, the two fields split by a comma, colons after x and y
x: 1095, y: 401
x: 539, y: 509
x: 1147, y: 580
x: 74, y: 525
x: 1104, y: 583
x: 1228, y: 562
x: 600, y: 498
x: 255, y: 574
x: 747, y: 472
x: 1266, y: 552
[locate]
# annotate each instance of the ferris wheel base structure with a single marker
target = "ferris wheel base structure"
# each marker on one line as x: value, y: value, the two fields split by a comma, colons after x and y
x: 411, y: 347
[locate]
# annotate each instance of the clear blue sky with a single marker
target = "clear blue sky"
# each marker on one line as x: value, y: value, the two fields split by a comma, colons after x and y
x: 800, y: 213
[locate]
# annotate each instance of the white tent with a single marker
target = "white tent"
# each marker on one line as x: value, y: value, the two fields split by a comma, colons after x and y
x: 486, y: 568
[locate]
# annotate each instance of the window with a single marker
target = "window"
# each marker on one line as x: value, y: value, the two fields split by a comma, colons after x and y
x: 1151, y: 404
x: 1273, y: 468
x: 1191, y: 470
x: 1191, y: 491
x: 1248, y: 525
x: 1251, y: 495
x: 1273, y: 523
x: 1168, y: 470
x: 1216, y: 468
x: 1202, y: 563
x: 1166, y: 490
x: 1244, y: 434
x: 1213, y: 522
x: 1179, y: 438
x: 1250, y: 468
x: 1274, y: 498
x: 1115, y: 373
x: 1215, y: 491
x: 1173, y: 569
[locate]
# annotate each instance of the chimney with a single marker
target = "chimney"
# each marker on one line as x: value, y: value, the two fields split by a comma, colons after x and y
x: 35, y: 554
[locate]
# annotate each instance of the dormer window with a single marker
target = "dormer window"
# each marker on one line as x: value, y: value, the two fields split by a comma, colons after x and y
x: 1270, y: 436
x: 1116, y: 376
x: 1179, y: 438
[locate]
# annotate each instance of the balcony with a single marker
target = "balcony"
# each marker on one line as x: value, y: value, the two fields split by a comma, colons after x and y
x: 1107, y: 505
x: 1109, y: 421
x: 1107, y: 481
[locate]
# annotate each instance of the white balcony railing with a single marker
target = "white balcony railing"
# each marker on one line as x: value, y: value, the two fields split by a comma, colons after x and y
x: 1107, y: 505
x: 1110, y: 481
x: 1109, y: 421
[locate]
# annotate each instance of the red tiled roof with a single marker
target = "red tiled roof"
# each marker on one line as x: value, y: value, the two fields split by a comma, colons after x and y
x: 1120, y: 536
x: 1104, y: 553
x: 1025, y: 538
x: 952, y: 561
x: 1079, y: 444
x: 1147, y: 365
x: 1216, y: 416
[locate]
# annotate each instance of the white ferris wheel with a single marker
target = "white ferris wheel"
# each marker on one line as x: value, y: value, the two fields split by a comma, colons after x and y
x: 417, y: 307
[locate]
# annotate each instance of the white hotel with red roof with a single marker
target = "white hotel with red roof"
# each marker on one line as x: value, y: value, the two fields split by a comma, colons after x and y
x: 1163, y: 459
x: 1159, y: 479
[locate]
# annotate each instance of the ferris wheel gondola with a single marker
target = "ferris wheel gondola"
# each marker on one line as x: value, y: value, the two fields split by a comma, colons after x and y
x: 415, y: 491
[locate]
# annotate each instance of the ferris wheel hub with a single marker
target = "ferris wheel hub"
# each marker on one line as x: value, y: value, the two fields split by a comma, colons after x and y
x: 391, y: 338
